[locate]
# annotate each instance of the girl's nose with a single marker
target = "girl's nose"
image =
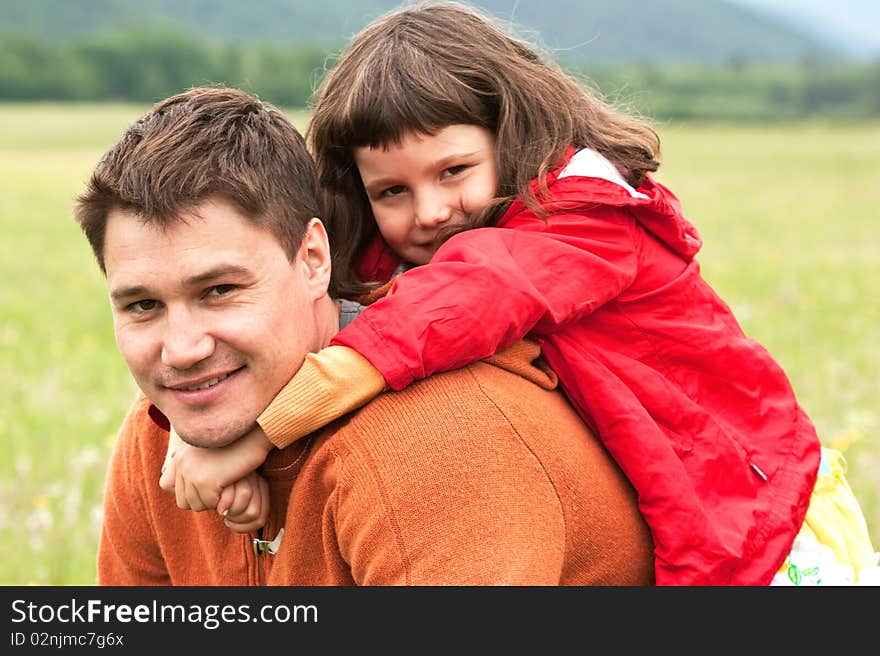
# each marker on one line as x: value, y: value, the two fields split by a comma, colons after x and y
x: 432, y: 210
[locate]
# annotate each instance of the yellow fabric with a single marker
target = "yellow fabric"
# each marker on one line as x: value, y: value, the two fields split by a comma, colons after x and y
x: 331, y: 383
x: 833, y: 546
x: 834, y: 515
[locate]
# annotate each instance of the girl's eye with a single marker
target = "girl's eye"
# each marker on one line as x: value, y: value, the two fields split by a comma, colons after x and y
x: 452, y: 171
x: 392, y: 191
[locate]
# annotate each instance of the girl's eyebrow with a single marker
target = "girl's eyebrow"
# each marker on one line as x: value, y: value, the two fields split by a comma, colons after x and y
x: 454, y: 156
x: 379, y: 184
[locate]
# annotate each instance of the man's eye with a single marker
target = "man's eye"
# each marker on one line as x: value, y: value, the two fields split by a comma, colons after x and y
x: 392, y: 191
x: 140, y: 307
x: 221, y: 290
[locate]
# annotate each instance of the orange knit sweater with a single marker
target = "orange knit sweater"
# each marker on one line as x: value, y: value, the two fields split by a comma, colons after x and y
x: 480, y: 476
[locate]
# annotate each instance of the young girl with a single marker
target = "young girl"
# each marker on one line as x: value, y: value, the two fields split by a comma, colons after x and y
x: 437, y: 123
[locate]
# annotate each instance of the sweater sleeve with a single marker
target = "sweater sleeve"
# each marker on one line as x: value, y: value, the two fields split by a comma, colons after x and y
x: 484, y: 289
x: 330, y: 383
x: 128, y: 552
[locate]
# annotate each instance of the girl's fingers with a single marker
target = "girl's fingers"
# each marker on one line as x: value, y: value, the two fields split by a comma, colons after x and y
x: 169, y: 475
x: 256, y: 512
x: 226, y: 498
x: 193, y: 499
x: 244, y: 494
x: 264, y: 500
x: 180, y: 492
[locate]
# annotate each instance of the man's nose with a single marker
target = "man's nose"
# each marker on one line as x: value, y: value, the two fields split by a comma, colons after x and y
x: 432, y: 209
x: 186, y: 341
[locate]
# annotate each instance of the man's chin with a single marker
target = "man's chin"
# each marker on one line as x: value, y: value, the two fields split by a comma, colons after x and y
x: 205, y: 437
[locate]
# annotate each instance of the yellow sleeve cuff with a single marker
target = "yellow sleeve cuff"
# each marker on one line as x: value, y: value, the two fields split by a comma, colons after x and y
x: 330, y: 383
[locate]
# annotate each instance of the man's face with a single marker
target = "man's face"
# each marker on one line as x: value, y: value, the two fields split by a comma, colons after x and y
x: 210, y: 315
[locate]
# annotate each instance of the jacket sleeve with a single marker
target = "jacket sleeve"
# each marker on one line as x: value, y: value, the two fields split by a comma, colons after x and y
x: 128, y: 552
x: 484, y: 289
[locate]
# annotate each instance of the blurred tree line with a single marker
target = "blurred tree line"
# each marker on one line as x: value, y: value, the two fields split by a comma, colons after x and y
x: 145, y: 65
x: 746, y: 91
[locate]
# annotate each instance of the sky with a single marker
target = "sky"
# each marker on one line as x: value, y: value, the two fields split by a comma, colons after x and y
x: 855, y: 20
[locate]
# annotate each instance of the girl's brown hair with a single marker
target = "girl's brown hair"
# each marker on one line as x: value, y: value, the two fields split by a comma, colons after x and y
x: 425, y: 67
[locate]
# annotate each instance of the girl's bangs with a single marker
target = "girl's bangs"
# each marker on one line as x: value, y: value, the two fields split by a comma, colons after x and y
x: 398, y: 103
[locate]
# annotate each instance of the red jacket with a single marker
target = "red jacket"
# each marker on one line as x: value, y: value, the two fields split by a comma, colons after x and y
x: 701, y: 418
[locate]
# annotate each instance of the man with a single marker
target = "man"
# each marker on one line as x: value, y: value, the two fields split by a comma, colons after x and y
x: 203, y: 218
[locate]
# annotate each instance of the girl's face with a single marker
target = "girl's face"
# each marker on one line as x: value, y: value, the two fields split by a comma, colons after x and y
x: 426, y: 182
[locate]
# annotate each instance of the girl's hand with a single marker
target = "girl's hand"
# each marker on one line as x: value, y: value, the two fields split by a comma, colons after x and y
x: 198, y: 476
x: 245, y: 504
x: 174, y: 443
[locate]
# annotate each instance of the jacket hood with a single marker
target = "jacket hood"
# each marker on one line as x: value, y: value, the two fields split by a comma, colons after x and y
x: 660, y: 214
x: 586, y: 178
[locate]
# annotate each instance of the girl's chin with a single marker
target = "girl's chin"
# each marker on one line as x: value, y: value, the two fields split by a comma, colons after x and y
x: 418, y: 255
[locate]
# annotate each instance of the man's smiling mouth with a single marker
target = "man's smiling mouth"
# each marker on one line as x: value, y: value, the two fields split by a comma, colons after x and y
x: 206, y: 384
x: 203, y: 384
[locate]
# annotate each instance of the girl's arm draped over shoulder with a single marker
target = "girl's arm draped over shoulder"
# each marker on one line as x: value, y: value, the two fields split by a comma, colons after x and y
x: 482, y: 291
x: 485, y: 289
x: 329, y: 384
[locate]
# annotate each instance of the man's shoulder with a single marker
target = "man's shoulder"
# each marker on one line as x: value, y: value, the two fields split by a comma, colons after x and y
x: 499, y: 405
x: 480, y: 456
x: 471, y: 432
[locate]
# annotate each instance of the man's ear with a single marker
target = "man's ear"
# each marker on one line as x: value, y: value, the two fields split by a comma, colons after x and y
x: 315, y: 256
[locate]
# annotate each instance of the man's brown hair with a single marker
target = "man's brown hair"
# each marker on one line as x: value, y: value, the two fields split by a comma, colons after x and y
x: 208, y: 142
x: 422, y: 68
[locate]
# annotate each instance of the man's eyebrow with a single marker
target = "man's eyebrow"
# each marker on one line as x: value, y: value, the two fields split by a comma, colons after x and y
x: 221, y: 271
x: 118, y: 295
x: 217, y: 272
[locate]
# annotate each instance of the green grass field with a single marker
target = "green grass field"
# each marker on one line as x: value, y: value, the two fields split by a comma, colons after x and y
x: 788, y: 215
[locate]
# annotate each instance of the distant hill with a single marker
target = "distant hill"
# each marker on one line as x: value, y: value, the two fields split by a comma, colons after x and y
x: 578, y: 31
x: 851, y: 26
